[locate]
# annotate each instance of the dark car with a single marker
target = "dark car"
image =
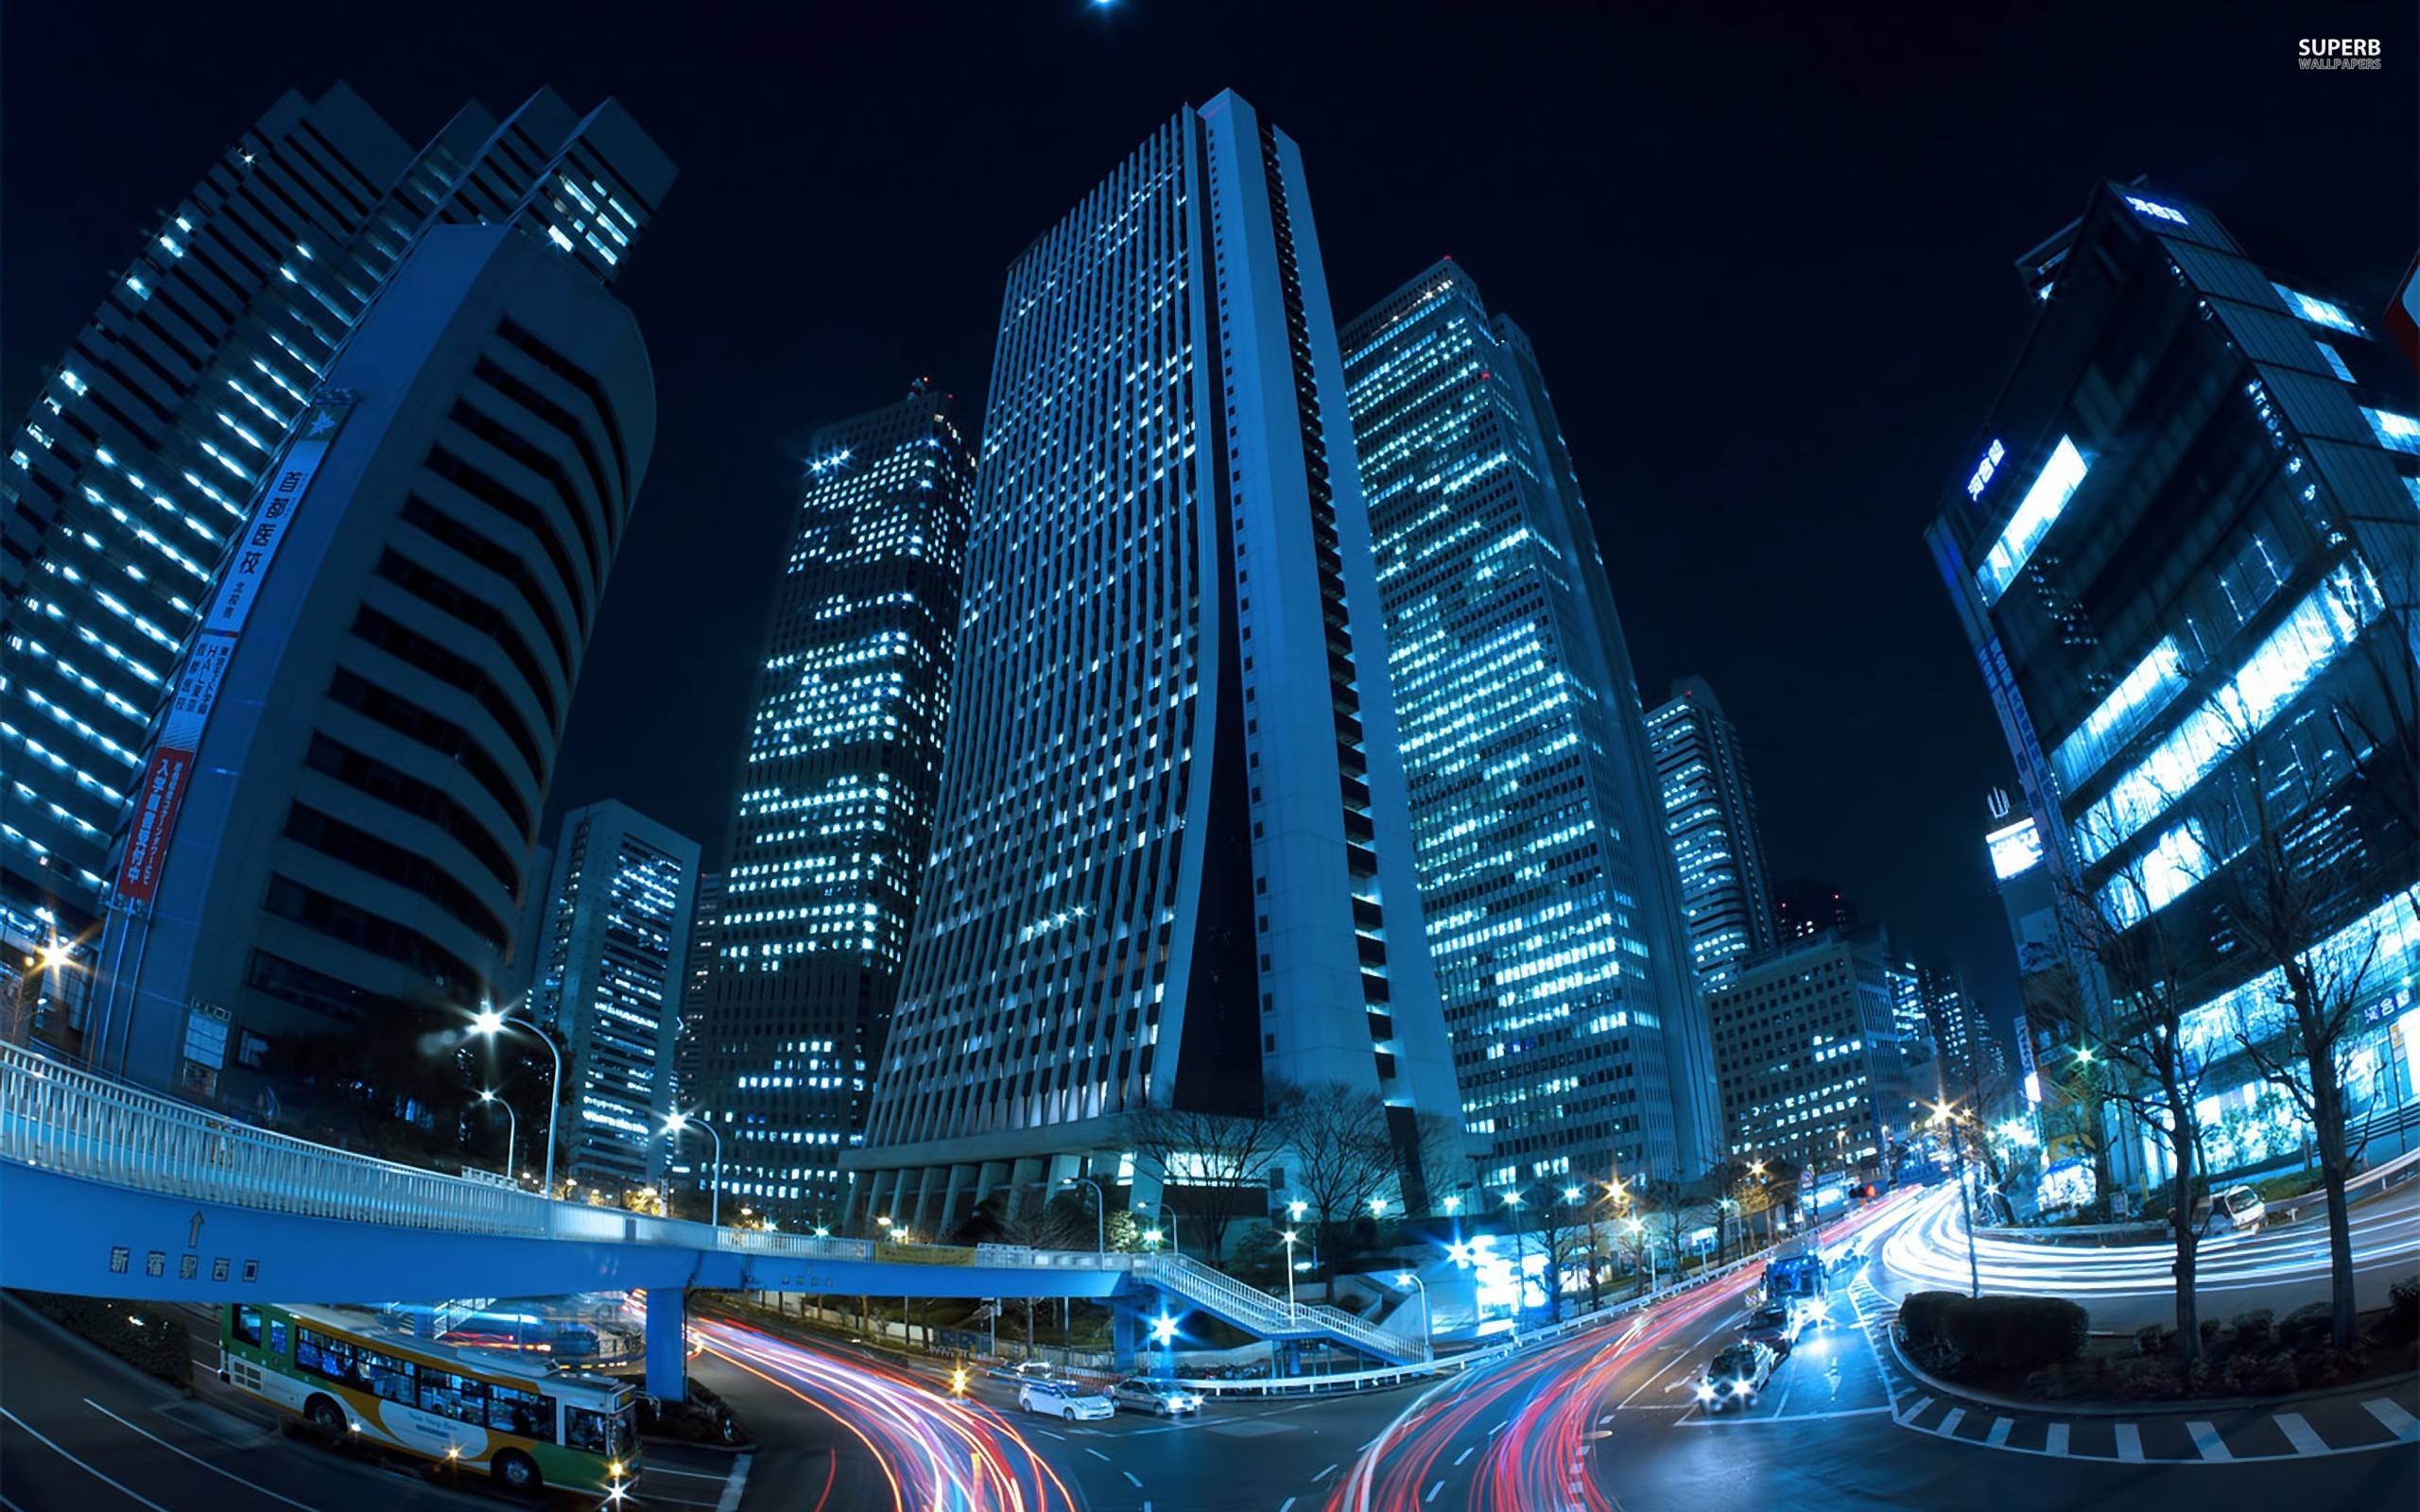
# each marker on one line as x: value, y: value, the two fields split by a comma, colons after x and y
x: 1775, y: 1327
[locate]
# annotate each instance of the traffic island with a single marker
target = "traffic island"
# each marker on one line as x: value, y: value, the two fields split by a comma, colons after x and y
x: 2028, y: 1353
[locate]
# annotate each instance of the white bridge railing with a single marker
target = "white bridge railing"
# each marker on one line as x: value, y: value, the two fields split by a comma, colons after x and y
x: 56, y: 1117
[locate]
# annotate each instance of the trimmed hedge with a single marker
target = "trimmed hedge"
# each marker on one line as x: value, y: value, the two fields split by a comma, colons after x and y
x: 142, y: 1335
x: 1994, y: 1333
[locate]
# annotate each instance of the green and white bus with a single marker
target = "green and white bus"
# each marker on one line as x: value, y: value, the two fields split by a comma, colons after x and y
x: 353, y: 1378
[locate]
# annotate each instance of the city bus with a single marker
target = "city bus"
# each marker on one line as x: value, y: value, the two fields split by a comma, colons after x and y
x: 353, y: 1378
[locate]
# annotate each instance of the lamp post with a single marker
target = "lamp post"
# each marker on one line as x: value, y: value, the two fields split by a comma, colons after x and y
x: 1520, y: 1272
x: 1427, y: 1323
x: 1167, y: 1215
x: 1948, y: 1113
x: 1100, y: 1211
x: 673, y: 1123
x: 512, y: 1129
x: 1289, y: 1275
x: 490, y: 1022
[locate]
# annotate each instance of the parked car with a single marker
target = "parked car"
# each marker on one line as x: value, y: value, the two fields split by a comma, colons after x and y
x: 2233, y: 1208
x: 1737, y: 1375
x: 1165, y: 1398
x: 1775, y: 1325
x: 1062, y: 1398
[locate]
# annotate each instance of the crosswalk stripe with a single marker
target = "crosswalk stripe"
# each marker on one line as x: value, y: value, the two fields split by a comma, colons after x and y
x: 2299, y: 1433
x: 2057, y: 1441
x: 1998, y: 1435
x: 2130, y: 1443
x: 2399, y: 1422
x: 1917, y: 1411
x: 2207, y: 1440
x: 1949, y: 1420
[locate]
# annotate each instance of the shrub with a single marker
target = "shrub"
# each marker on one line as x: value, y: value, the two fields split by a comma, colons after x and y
x: 2015, y: 1333
x: 2209, y: 1332
x: 1921, y: 1318
x: 2143, y: 1379
x: 2254, y: 1330
x: 2151, y: 1339
x: 2279, y: 1376
x: 2401, y: 1324
x: 2306, y: 1324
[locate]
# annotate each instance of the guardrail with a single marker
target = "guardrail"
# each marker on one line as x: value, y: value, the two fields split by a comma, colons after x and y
x: 2385, y: 1178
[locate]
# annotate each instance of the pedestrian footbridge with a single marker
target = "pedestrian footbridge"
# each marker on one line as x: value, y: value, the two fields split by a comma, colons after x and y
x: 111, y: 1191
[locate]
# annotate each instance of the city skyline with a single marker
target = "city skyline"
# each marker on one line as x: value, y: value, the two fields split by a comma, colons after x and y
x: 1916, y: 802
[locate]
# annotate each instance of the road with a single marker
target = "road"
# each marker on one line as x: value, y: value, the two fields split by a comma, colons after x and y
x: 81, y: 1430
x: 2126, y: 1286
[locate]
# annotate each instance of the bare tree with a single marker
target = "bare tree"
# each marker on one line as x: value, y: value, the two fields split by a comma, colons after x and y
x: 2152, y: 1057
x: 2299, y: 1022
x: 1340, y: 1153
x: 1222, y: 1161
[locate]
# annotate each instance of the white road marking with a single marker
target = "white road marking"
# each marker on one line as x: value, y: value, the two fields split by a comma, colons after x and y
x: 79, y: 1463
x: 731, y: 1488
x: 2206, y: 1439
x: 2130, y: 1443
x: 1096, y: 1453
x: 667, y: 1470
x: 1467, y: 1451
x: 1915, y: 1412
x: 1998, y: 1435
x: 2399, y: 1422
x: 2298, y: 1433
x: 1947, y: 1427
x: 2057, y: 1441
x: 198, y: 1459
x: 1433, y: 1491
x: 1131, y: 1479
x: 1286, y: 1505
x: 1324, y: 1474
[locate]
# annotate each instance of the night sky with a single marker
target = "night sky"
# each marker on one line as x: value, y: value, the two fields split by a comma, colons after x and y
x: 1765, y: 261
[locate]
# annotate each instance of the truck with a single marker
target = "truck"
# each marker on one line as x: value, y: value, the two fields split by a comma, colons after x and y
x: 1794, y: 1279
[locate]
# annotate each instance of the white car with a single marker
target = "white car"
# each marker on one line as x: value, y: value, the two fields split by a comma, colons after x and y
x: 2236, y: 1208
x: 1163, y: 1398
x: 1736, y: 1377
x: 1064, y: 1399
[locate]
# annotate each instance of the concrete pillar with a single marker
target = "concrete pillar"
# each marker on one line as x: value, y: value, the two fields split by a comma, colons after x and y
x: 667, y: 1343
x: 1024, y: 1178
x: 1126, y: 1315
x: 988, y: 1178
x: 960, y: 1177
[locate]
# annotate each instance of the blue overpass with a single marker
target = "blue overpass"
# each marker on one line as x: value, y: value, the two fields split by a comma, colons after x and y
x: 112, y: 1190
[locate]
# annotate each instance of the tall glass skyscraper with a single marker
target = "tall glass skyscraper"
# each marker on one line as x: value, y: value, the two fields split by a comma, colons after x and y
x: 611, y: 971
x: 331, y: 856
x: 835, y: 810
x: 1710, y: 816
x: 1171, y: 864
x: 2183, y: 556
x: 130, y: 481
x: 1579, y: 1035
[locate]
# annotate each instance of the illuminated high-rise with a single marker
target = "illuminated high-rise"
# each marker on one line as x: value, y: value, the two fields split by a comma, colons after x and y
x: 1710, y: 816
x: 611, y: 968
x: 1553, y: 916
x: 834, y: 808
x: 1171, y: 863
x: 132, y: 478
x: 2182, y: 553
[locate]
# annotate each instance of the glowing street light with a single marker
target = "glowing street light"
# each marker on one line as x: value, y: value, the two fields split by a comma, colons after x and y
x: 511, y: 1127
x: 1290, y: 1273
x: 490, y: 1022
x: 677, y: 1121
x: 1377, y: 1207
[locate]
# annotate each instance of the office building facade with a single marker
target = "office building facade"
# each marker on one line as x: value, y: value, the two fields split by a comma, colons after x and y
x: 1710, y: 816
x: 1553, y: 914
x: 1815, y: 1064
x: 2184, y: 559
x: 835, y: 811
x: 697, y: 980
x: 1171, y: 863
x: 612, y: 965
x: 333, y: 836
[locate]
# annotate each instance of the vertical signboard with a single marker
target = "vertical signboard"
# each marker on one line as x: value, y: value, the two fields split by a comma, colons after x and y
x: 162, y: 790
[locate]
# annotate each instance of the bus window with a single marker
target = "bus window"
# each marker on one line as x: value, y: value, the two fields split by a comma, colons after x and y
x: 460, y: 1398
x: 389, y: 1376
x: 277, y: 1337
x: 248, y: 1323
x: 524, y: 1413
x: 597, y: 1432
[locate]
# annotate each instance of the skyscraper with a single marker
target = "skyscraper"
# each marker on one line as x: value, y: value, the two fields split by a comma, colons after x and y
x: 1171, y: 864
x: 611, y: 968
x: 2183, y: 557
x: 1814, y: 1059
x: 1553, y: 907
x: 697, y: 980
x: 333, y: 833
x: 137, y: 466
x: 835, y: 810
x: 1710, y: 815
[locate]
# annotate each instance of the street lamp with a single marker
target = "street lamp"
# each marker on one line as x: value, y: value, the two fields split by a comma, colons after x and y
x: 1168, y: 1219
x: 1427, y: 1324
x: 1290, y: 1274
x: 511, y: 1127
x: 490, y: 1022
x: 1946, y: 1112
x: 1100, y: 1211
x: 673, y: 1123
x: 1377, y: 1207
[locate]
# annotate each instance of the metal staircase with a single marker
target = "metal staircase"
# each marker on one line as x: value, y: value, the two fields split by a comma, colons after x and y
x: 1258, y: 1312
